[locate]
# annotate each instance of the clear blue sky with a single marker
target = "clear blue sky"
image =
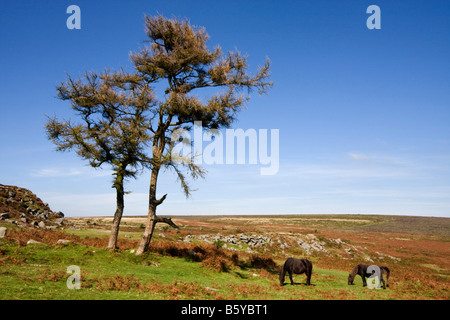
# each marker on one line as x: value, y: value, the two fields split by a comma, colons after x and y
x: 363, y: 115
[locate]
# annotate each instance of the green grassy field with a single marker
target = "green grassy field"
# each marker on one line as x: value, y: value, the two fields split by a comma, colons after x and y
x: 40, y: 271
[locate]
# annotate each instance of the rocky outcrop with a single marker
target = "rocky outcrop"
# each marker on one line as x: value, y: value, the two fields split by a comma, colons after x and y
x: 255, y: 241
x: 22, y: 207
x: 311, y: 244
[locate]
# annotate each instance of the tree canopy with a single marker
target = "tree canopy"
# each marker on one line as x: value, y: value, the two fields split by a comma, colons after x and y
x: 178, y: 56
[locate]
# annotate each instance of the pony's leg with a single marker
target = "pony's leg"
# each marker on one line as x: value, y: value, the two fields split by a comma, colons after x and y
x: 364, y: 281
x: 308, y: 279
x: 384, y: 283
x: 290, y: 277
x: 382, y: 279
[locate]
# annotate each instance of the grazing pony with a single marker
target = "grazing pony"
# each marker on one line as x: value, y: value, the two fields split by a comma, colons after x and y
x: 297, y: 266
x: 361, y: 269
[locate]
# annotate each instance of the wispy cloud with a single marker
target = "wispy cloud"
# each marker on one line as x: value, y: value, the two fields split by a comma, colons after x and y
x: 69, y: 172
x: 359, y: 156
x: 55, y: 173
x: 331, y: 172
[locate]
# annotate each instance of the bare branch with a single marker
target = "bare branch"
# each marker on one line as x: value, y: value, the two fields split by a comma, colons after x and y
x: 158, y: 202
x: 166, y: 220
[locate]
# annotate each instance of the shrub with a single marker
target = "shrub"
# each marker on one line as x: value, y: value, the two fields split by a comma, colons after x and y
x: 217, y: 263
x: 262, y: 262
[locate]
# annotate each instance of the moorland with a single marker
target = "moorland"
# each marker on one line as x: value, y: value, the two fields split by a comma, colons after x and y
x: 227, y: 257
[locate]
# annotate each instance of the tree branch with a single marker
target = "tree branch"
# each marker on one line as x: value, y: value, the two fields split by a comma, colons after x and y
x: 158, y: 202
x: 166, y: 220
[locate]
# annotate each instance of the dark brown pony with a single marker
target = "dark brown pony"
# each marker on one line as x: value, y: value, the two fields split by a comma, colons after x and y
x: 361, y: 269
x: 297, y: 266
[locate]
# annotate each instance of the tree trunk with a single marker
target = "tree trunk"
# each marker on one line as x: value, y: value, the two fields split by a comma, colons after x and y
x: 151, y: 217
x: 118, y: 184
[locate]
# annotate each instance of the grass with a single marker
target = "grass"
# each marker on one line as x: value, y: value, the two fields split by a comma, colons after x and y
x: 40, y: 273
x: 172, y: 271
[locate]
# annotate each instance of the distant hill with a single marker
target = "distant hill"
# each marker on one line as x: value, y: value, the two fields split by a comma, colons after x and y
x: 411, y: 224
x: 22, y: 207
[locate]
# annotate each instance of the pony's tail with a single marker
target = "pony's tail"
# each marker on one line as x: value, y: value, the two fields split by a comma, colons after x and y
x: 310, y: 268
x: 387, y: 272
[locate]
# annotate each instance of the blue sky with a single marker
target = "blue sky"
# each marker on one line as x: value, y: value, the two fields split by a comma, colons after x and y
x: 363, y: 115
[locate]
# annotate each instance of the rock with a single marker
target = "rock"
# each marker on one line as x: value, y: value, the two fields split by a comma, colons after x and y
x: 211, y: 289
x: 250, y: 240
x: 3, y: 231
x: 311, y: 237
x: 31, y: 241
x: 63, y: 241
x: 312, y: 245
x: 4, y: 216
x: 305, y: 246
x: 60, y: 214
x: 318, y: 246
x: 12, y: 221
x: 41, y: 224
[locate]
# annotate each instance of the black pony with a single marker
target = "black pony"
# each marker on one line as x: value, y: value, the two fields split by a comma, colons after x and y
x: 297, y: 266
x: 361, y: 269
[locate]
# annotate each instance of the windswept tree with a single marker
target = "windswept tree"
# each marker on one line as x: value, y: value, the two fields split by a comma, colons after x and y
x: 178, y: 58
x: 121, y: 116
x: 115, y: 111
